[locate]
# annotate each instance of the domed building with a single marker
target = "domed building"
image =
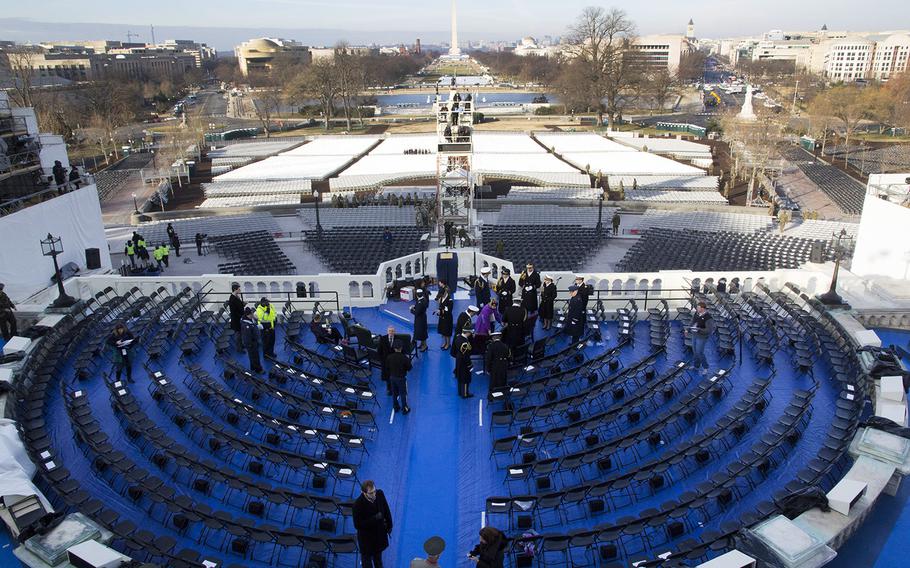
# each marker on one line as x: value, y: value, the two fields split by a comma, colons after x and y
x: 258, y: 54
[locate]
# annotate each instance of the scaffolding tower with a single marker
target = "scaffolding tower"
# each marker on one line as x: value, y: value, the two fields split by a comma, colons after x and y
x: 454, y: 175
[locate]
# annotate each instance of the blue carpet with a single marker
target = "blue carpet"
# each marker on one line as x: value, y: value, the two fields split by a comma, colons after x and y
x: 434, y: 463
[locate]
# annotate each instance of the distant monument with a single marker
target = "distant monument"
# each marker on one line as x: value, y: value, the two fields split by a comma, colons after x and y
x: 454, y: 50
x: 747, y: 114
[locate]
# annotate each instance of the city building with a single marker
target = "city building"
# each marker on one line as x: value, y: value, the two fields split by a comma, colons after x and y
x: 662, y: 50
x: 530, y: 46
x: 258, y: 55
x: 200, y: 52
x: 72, y: 66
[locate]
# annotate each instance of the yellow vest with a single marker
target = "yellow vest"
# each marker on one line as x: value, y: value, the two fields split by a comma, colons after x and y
x: 130, y: 251
x: 266, y: 315
x: 140, y: 243
x: 159, y: 253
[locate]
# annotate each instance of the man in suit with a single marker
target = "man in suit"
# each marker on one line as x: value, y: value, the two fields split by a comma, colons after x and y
x: 249, y: 332
x: 576, y: 317
x: 497, y: 360
x: 463, y: 366
x: 235, y: 306
x: 399, y: 364
x: 373, y: 522
x: 386, y: 348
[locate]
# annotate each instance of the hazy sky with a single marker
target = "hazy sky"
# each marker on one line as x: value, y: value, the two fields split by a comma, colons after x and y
x: 492, y: 19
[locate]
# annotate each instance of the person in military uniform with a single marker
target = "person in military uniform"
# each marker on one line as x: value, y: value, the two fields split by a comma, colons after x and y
x: 514, y: 321
x: 445, y: 305
x: 463, y: 366
x: 547, y: 299
x: 419, y: 310
x: 482, y: 287
x: 529, y: 282
x: 584, y: 290
x: 575, y: 318
x: 465, y: 318
x: 505, y: 289
x: 496, y: 361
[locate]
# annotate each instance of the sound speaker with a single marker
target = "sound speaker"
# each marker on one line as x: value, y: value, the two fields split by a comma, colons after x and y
x: 817, y: 253
x: 92, y: 258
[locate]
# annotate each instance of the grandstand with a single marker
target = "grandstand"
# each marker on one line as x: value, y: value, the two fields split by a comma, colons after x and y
x: 609, y: 450
x: 844, y: 191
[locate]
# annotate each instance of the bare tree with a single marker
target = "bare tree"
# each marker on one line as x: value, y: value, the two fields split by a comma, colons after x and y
x: 20, y: 62
x: 319, y: 82
x: 267, y: 102
x: 848, y: 103
x: 346, y: 68
x: 602, y: 41
x: 660, y: 85
x: 691, y: 66
x: 111, y: 104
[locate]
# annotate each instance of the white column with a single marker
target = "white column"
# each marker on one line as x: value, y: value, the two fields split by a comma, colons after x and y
x: 454, y: 50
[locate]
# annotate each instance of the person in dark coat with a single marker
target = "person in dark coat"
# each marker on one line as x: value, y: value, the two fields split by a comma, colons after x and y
x: 514, y: 321
x: 386, y: 348
x: 464, y: 318
x: 235, y: 306
x: 446, y: 304
x: 59, y: 176
x: 75, y: 178
x: 249, y: 333
x: 373, y: 522
x: 491, y: 551
x: 575, y: 318
x: 584, y: 290
x: 324, y: 331
x: 547, y: 298
x: 463, y: 365
x: 199, y: 239
x: 529, y: 283
x: 496, y: 361
x: 399, y: 364
x: 420, y: 319
x: 482, y: 287
x: 175, y: 242
x: 121, y: 341
x: 505, y: 289
x: 7, y: 316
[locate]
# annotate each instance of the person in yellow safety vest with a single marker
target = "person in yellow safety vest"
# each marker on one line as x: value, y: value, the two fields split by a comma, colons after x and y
x: 159, y: 255
x: 266, y: 315
x: 141, y: 251
x: 130, y: 252
x: 166, y: 251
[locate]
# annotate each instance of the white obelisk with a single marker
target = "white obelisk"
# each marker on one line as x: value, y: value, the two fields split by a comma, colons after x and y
x: 747, y: 113
x: 454, y: 51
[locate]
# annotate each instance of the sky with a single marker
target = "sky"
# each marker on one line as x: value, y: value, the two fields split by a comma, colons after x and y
x: 403, y: 20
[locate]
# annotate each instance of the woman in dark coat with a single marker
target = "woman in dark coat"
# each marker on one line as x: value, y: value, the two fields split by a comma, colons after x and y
x: 490, y: 553
x: 373, y: 523
x: 446, y: 304
x: 575, y: 318
x: 420, y: 319
x: 547, y: 298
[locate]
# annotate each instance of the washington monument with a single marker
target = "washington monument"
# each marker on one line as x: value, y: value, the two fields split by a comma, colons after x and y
x: 454, y: 51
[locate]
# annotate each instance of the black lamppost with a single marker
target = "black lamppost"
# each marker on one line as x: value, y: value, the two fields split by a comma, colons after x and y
x: 600, y: 209
x: 831, y: 297
x: 135, y: 205
x: 52, y: 246
x: 318, y: 226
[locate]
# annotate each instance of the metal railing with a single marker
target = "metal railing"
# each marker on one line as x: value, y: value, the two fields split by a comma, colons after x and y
x: 10, y: 124
x: 20, y: 161
x: 20, y: 203
x: 327, y: 300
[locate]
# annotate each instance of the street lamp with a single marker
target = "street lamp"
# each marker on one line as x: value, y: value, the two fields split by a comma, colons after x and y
x: 831, y: 297
x: 52, y: 246
x: 135, y: 205
x: 318, y: 226
x: 600, y: 210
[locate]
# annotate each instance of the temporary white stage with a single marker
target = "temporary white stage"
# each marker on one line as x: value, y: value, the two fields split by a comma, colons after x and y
x: 572, y: 142
x: 253, y: 149
x: 349, y: 146
x: 285, y: 167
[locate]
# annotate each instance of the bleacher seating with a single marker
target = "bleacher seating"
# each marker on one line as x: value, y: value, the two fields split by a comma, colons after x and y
x: 665, y: 196
x: 360, y: 250
x: 558, y: 247
x: 363, y: 216
x: 514, y: 214
x: 847, y: 193
x: 665, y: 249
x: 212, y: 226
x: 251, y: 253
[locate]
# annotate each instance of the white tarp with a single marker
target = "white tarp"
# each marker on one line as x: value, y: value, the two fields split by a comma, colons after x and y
x: 74, y: 217
x: 16, y: 469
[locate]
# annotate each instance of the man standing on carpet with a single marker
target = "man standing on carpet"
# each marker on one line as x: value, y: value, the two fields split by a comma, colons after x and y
x: 701, y: 328
x: 464, y: 318
x: 267, y: 315
x: 463, y: 366
x: 373, y: 522
x: 399, y: 364
x: 419, y: 309
x: 575, y: 318
x: 386, y: 348
x: 482, y: 288
x: 235, y: 306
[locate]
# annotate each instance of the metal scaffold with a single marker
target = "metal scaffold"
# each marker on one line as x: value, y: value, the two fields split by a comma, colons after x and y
x: 454, y: 174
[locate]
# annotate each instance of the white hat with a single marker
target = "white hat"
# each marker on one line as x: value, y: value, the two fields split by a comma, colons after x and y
x: 547, y: 277
x: 485, y: 270
x: 473, y: 309
x: 579, y: 277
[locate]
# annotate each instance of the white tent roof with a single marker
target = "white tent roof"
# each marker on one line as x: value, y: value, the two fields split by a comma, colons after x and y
x: 505, y: 143
x: 240, y: 188
x: 568, y: 142
x: 335, y: 146
x: 286, y: 167
x: 629, y: 163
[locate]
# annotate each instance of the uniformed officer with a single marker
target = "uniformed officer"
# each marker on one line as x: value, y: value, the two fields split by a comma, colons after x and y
x: 529, y: 282
x: 166, y: 254
x: 584, y: 290
x: 514, y: 324
x: 505, y: 289
x: 465, y: 318
x: 159, y: 256
x: 482, y: 287
x: 130, y: 252
x: 267, y: 315
x: 463, y: 366
x: 419, y: 309
x: 497, y: 361
x: 249, y: 333
x: 575, y: 318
